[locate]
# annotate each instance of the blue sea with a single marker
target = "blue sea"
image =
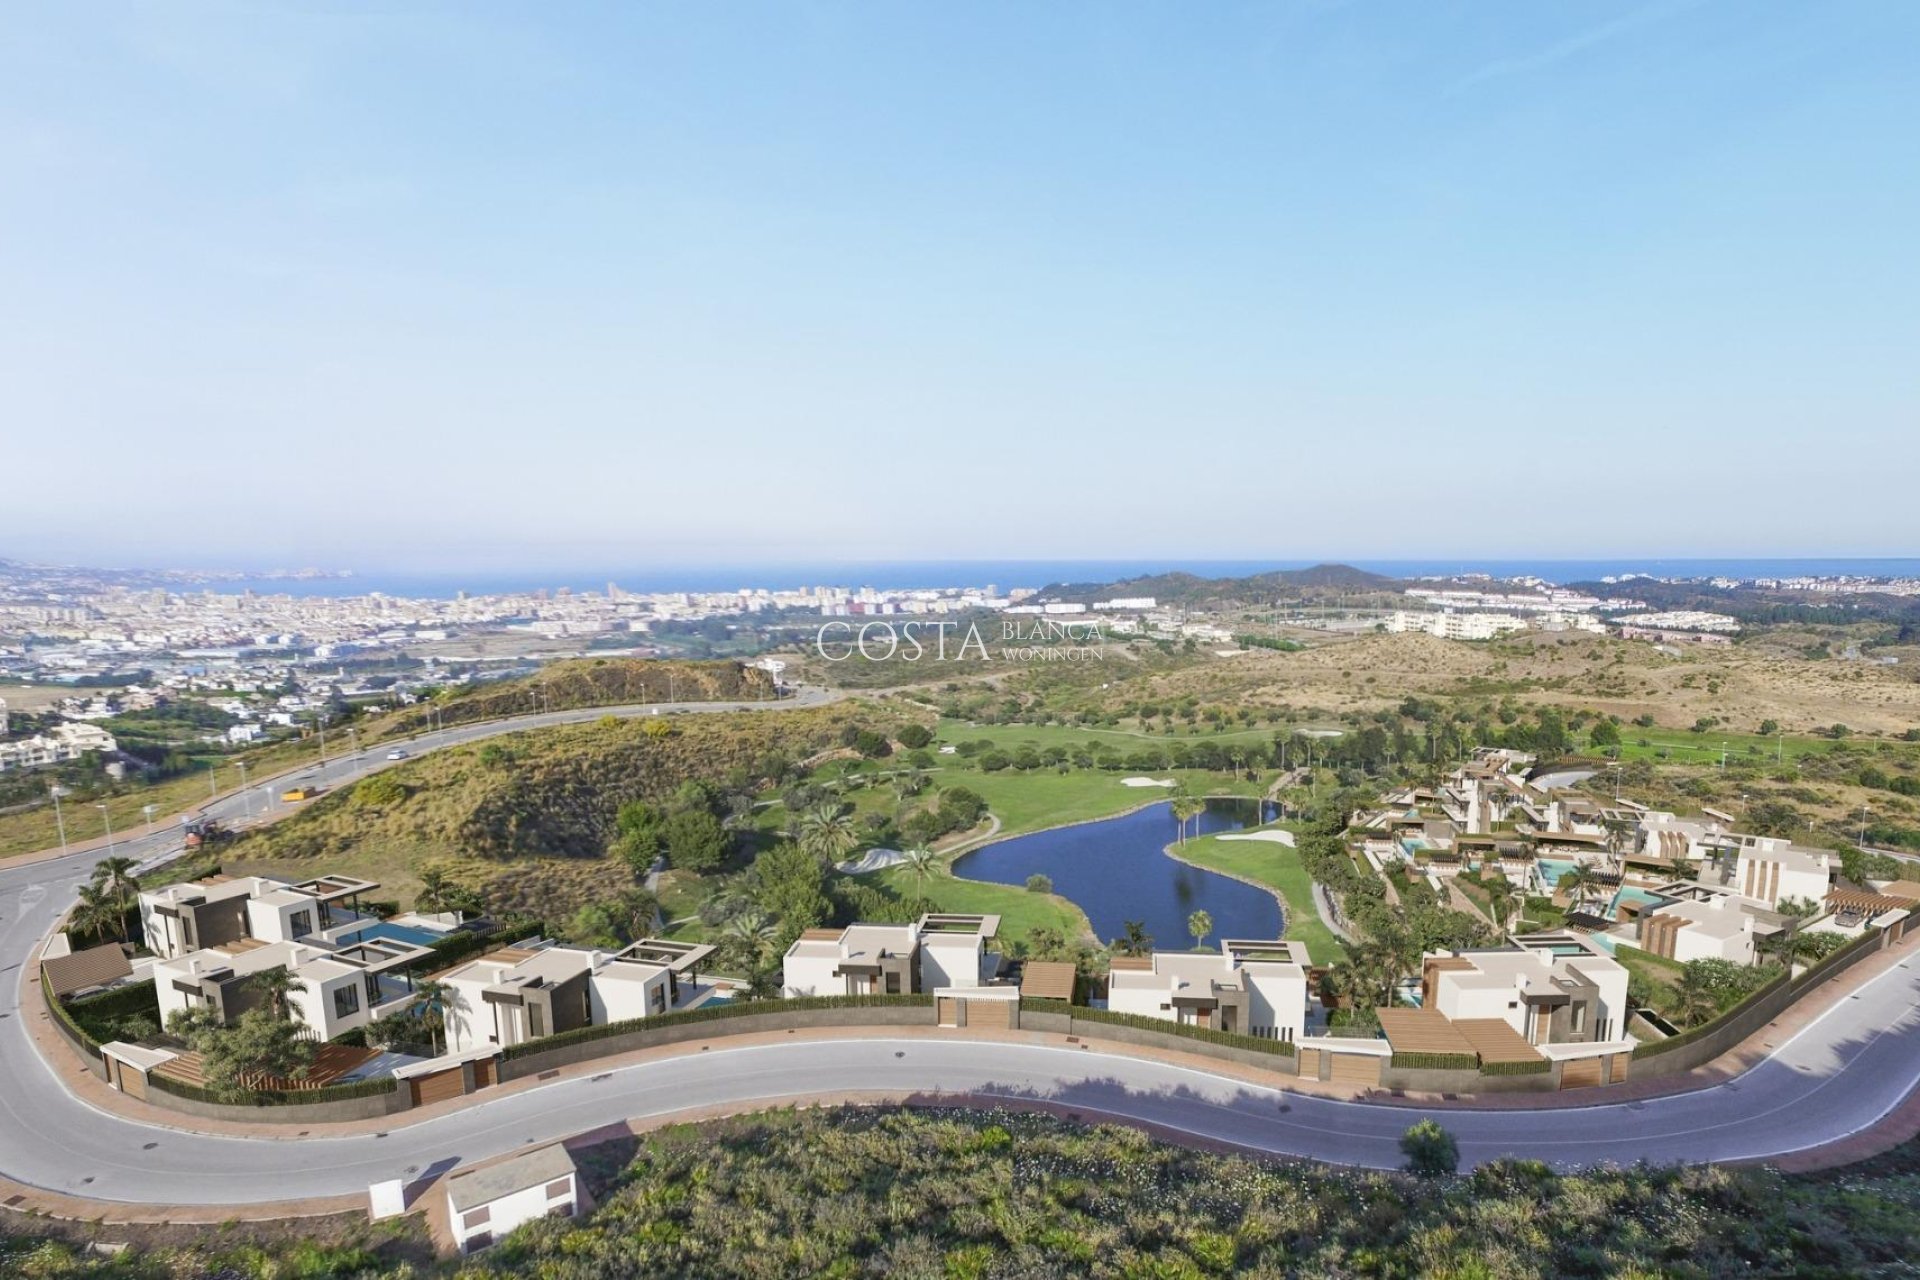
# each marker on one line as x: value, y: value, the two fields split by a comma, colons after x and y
x: 1035, y: 573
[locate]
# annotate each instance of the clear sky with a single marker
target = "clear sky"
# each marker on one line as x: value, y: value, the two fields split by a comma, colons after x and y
x: 468, y: 284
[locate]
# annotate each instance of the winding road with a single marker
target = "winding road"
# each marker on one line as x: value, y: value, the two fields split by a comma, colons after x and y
x: 1840, y: 1074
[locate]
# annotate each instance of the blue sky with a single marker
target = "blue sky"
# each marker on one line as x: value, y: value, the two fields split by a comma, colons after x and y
x: 524, y: 285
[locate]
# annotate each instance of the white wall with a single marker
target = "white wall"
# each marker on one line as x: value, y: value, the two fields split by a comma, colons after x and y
x: 949, y: 961
x: 508, y: 1212
x: 622, y: 999
x: 811, y: 976
x: 1278, y: 1001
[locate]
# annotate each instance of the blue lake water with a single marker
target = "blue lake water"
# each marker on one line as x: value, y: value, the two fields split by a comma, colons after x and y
x: 1114, y: 870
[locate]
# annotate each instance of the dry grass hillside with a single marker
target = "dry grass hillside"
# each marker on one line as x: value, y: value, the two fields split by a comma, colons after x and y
x: 595, y: 682
x: 527, y: 817
x: 1620, y: 677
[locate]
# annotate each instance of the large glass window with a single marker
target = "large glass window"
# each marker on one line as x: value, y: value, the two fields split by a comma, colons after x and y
x: 346, y: 1000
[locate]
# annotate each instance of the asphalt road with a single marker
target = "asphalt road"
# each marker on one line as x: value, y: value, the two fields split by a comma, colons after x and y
x: 1837, y: 1076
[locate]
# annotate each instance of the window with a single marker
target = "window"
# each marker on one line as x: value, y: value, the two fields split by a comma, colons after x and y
x: 893, y: 984
x: 559, y: 1187
x: 300, y: 923
x: 346, y: 1000
x: 1579, y: 1021
x: 476, y: 1217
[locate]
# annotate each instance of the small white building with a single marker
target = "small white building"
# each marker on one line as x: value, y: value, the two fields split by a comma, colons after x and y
x: 484, y: 1205
x: 1712, y: 927
x: 1254, y: 988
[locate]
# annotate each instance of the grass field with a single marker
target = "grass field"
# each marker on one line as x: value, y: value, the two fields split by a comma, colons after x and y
x: 1020, y: 911
x: 1278, y: 868
x: 1685, y: 747
x: 1041, y: 736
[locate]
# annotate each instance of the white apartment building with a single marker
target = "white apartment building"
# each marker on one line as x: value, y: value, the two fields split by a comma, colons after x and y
x: 1552, y: 988
x: 1449, y: 625
x: 1254, y: 988
x: 524, y: 992
x: 934, y: 953
x: 57, y: 745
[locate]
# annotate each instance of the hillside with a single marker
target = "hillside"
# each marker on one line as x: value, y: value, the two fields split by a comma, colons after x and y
x: 1256, y: 591
x: 526, y: 817
x: 593, y: 682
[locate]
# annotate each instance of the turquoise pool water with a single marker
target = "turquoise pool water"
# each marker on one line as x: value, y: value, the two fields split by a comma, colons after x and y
x: 1551, y: 869
x: 1628, y: 893
x: 393, y: 933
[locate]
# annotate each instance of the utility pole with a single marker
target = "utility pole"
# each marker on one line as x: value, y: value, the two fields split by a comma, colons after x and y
x: 56, y: 791
x: 107, y: 817
x: 245, y: 794
x: 1863, y: 824
x: 149, y: 810
x: 213, y: 782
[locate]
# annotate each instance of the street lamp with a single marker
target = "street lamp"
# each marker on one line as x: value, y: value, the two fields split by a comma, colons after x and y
x: 149, y: 810
x: 56, y: 791
x: 245, y: 795
x: 107, y: 817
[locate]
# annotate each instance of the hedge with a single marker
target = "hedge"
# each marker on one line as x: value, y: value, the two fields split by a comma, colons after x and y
x: 460, y: 944
x: 107, y: 1006
x: 708, y: 1013
x: 1280, y: 1048
x: 76, y: 1032
x: 1435, y: 1061
x: 1529, y: 1067
x: 274, y: 1097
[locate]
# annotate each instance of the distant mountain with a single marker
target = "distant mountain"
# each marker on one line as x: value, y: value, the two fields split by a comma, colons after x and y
x: 1260, y: 588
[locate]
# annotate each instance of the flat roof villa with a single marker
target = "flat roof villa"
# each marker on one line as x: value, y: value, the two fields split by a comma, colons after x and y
x: 537, y: 989
x: 935, y: 952
x: 1550, y: 988
x: 182, y: 918
x: 1256, y: 988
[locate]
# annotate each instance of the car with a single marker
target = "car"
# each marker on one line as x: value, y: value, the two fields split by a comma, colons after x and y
x: 398, y: 753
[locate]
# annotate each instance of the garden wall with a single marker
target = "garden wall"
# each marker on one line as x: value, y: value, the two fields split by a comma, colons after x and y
x: 541, y: 1061
x: 1656, y: 1060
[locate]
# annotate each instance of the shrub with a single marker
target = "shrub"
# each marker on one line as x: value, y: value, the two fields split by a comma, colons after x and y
x: 1037, y: 883
x: 1430, y: 1150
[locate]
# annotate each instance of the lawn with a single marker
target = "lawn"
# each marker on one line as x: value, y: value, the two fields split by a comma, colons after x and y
x: 1280, y: 869
x: 1684, y: 747
x: 1041, y: 736
x: 1020, y: 911
x: 1046, y: 798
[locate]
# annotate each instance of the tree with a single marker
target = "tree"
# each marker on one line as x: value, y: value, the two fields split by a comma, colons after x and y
x: 1695, y: 1001
x: 275, y: 987
x: 1575, y: 882
x: 827, y: 832
x: 695, y: 841
x: 1135, y: 941
x: 1199, y: 924
x: 1430, y: 1150
x: 920, y: 862
x: 1037, y: 883
x: 431, y: 1000
x: 116, y: 876
x: 915, y: 736
x: 256, y: 1051
x: 1605, y: 733
x: 1187, y: 807
x: 97, y: 912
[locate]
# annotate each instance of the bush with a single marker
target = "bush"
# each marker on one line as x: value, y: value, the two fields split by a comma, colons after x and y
x: 381, y: 791
x: 707, y: 1013
x: 1435, y: 1061
x: 1430, y: 1150
x: 1038, y: 883
x: 915, y: 736
x: 1279, y: 1048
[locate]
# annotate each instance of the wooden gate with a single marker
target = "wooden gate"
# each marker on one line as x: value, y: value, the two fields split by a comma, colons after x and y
x: 132, y: 1082
x: 1356, y: 1068
x: 1309, y: 1064
x: 991, y: 1014
x: 437, y: 1087
x: 1579, y: 1073
x: 483, y: 1073
x: 949, y: 1011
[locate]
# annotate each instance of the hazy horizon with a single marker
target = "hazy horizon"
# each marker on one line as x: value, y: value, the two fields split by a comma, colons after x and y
x: 477, y: 286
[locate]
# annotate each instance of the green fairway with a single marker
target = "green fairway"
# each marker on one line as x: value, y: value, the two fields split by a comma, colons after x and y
x: 1278, y: 868
x: 1045, y: 798
x: 1020, y: 911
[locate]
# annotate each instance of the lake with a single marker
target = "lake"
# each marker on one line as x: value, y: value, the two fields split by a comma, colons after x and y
x: 1114, y: 870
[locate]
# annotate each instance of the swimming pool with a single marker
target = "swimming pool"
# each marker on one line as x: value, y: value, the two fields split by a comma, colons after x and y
x: 392, y: 933
x: 1629, y: 893
x: 1551, y: 869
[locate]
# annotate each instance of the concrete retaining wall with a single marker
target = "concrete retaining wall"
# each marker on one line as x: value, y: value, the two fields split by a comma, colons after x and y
x: 1752, y: 1018
x: 534, y: 1064
x: 365, y: 1108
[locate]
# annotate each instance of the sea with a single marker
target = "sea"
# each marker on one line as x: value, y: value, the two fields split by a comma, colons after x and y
x: 1004, y: 574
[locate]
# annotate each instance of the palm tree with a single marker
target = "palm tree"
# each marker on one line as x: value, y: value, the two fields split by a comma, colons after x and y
x: 115, y: 875
x: 434, y: 891
x: 827, y: 832
x: 1185, y: 807
x: 745, y: 939
x: 1695, y: 1001
x: 1136, y: 941
x: 921, y: 862
x: 1574, y: 882
x: 431, y: 1000
x: 275, y: 986
x: 96, y: 912
x: 1199, y: 924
